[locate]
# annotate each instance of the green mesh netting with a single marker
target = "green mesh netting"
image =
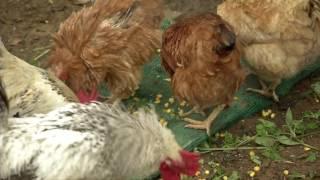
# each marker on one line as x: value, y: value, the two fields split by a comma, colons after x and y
x: 155, y: 81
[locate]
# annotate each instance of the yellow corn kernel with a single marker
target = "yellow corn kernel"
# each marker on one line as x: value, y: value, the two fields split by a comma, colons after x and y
x: 166, y: 105
x: 252, y: 153
x: 159, y: 96
x: 180, y: 112
x: 171, y: 100
x: 306, y: 149
x: 252, y: 173
x: 163, y: 122
x: 264, y: 113
x: 183, y: 103
x: 256, y: 168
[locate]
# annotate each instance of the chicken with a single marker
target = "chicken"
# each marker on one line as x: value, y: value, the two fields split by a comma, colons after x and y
x: 108, y: 42
x: 31, y: 89
x: 280, y: 37
x: 202, y: 56
x: 92, y: 141
x: 4, y: 104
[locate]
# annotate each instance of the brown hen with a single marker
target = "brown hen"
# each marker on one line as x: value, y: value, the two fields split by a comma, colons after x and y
x: 202, y: 56
x: 280, y: 37
x: 108, y: 42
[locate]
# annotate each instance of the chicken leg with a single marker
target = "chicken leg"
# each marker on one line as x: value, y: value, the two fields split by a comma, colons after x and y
x: 195, y: 109
x: 269, y: 91
x: 206, y: 124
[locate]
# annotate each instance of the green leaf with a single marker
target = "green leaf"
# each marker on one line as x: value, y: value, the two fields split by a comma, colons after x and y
x: 312, y: 157
x: 289, y: 118
x: 311, y: 115
x: 290, y: 122
x: 312, y: 126
x: 234, y: 175
x: 266, y: 128
x: 230, y: 140
x: 265, y: 141
x: 287, y: 141
x: 267, y: 124
x: 255, y: 159
x: 272, y: 153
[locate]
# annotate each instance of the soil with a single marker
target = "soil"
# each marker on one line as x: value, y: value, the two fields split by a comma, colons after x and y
x: 240, y: 161
x: 26, y: 27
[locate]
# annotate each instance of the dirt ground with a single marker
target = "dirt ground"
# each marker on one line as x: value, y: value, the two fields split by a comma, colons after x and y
x: 26, y: 27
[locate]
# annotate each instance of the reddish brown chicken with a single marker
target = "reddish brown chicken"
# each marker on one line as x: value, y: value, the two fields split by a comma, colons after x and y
x: 108, y: 42
x: 202, y: 56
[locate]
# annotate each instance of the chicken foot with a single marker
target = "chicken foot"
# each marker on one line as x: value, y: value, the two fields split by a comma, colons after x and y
x: 206, y: 124
x: 269, y: 91
x: 195, y: 109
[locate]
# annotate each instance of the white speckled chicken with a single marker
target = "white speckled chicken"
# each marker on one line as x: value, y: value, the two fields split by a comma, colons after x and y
x: 30, y: 89
x: 91, y: 141
x: 280, y: 37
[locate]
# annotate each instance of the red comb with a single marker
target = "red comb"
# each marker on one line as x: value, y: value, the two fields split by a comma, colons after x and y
x: 189, y: 166
x: 85, y: 97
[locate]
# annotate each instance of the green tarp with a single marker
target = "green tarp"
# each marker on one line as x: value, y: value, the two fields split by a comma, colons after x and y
x: 155, y: 81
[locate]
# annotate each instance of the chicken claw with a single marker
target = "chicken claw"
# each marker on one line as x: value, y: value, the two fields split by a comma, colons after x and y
x: 206, y: 124
x: 195, y: 109
x: 267, y: 91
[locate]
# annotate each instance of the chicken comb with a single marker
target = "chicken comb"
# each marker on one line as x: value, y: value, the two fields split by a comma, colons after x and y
x: 188, y: 165
x: 85, y: 97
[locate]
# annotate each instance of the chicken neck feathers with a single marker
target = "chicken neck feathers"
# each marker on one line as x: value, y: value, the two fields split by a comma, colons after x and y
x: 29, y: 88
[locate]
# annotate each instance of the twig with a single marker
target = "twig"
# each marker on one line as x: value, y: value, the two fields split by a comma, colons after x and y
x: 206, y: 150
x: 285, y: 161
x: 42, y: 48
x: 309, y: 146
x: 41, y: 55
x: 309, y: 134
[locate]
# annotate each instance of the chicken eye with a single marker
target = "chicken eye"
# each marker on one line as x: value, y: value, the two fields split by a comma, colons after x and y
x: 226, y: 41
x: 224, y: 49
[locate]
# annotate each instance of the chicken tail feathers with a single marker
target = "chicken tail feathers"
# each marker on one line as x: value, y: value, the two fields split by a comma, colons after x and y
x: 315, y: 9
x: 3, y: 49
x: 4, y: 108
x: 114, y: 6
